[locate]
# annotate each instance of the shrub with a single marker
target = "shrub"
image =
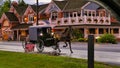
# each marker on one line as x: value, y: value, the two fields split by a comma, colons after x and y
x: 107, y: 38
x: 82, y: 39
x: 78, y: 34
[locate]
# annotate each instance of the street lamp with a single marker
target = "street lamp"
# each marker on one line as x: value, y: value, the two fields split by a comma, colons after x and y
x: 37, y: 12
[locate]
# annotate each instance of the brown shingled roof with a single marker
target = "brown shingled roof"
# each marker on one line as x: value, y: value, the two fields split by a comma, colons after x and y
x: 61, y: 4
x: 11, y: 16
x: 75, y: 4
x: 40, y: 7
x: 21, y: 9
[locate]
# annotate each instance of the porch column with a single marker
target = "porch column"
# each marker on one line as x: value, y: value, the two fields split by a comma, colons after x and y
x: 87, y: 13
x: 69, y: 20
x: 85, y: 32
x: 76, y: 18
x: 13, y: 34
x: 104, y: 31
x: 95, y: 13
x: 81, y: 12
x: 109, y: 30
x: 96, y: 32
x: 17, y: 34
x: 112, y: 31
x: 119, y: 32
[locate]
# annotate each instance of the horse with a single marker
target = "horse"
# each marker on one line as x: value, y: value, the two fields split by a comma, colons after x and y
x: 66, y: 37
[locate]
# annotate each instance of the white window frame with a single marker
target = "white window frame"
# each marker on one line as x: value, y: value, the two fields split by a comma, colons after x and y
x: 31, y: 18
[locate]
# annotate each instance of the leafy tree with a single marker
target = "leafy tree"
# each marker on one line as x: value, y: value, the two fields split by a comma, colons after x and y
x: 21, y: 3
x: 5, y: 7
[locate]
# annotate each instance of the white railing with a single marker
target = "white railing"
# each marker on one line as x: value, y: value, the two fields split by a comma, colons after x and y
x: 82, y: 20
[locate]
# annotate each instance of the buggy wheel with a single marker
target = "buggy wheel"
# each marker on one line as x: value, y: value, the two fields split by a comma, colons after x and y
x: 40, y: 46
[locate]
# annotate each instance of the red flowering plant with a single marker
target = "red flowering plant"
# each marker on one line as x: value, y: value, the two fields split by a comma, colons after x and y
x: 72, y: 20
x: 58, y: 22
x: 95, y: 20
x: 65, y: 21
x: 80, y: 20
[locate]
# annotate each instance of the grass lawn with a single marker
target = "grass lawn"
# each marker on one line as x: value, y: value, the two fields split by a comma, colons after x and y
x: 25, y: 60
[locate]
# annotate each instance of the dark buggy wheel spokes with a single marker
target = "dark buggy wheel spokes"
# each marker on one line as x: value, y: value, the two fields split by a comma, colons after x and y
x: 40, y: 46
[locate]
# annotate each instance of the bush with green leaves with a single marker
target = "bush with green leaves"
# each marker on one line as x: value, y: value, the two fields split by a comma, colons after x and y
x: 82, y: 39
x: 77, y: 34
x: 107, y: 38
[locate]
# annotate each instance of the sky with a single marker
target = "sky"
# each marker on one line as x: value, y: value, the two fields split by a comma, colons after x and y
x: 33, y: 1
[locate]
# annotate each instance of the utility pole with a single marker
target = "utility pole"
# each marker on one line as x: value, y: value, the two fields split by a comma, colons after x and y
x: 37, y: 12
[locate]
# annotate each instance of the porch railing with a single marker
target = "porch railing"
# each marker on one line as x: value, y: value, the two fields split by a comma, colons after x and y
x: 82, y: 20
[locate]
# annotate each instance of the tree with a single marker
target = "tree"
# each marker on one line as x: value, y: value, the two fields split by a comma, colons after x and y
x: 21, y: 2
x: 5, y: 7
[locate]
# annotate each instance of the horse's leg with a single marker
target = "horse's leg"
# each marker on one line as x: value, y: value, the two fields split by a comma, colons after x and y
x: 70, y: 46
x: 58, y: 47
x: 65, y: 44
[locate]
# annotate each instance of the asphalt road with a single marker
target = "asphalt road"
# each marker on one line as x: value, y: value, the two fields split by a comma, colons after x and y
x: 107, y: 53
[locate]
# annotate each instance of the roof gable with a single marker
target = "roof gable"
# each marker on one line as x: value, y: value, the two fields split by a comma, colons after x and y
x: 21, y: 9
x: 52, y: 7
x: 11, y: 16
x: 61, y: 4
x: 29, y: 10
x: 92, y: 6
x: 40, y: 7
x: 74, y: 5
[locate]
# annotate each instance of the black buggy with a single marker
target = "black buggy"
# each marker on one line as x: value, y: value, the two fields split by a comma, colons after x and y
x: 43, y: 36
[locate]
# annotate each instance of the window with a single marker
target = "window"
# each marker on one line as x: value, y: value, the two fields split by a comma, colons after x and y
x: 74, y: 15
x: 54, y: 15
x: 31, y: 18
x: 116, y: 31
x: 92, y: 31
x: 66, y: 14
x: 71, y: 15
x: 89, y: 13
x: 101, y: 31
x: 79, y: 14
x: 93, y: 13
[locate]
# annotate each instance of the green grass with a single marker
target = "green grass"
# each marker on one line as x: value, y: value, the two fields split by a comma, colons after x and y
x: 25, y: 60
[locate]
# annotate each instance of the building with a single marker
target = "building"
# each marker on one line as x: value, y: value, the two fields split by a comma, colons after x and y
x: 88, y: 17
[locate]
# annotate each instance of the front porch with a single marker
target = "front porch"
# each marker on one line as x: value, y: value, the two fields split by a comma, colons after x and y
x: 98, y: 31
x: 20, y: 32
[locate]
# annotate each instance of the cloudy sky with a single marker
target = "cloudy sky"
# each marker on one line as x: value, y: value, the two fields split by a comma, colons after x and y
x: 33, y: 1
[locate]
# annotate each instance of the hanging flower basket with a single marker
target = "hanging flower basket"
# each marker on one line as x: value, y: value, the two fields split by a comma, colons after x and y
x: 58, y: 22
x: 72, y: 21
x: 89, y: 20
x: 107, y: 21
x: 101, y: 20
x: 65, y: 21
x: 95, y: 20
x: 80, y: 20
